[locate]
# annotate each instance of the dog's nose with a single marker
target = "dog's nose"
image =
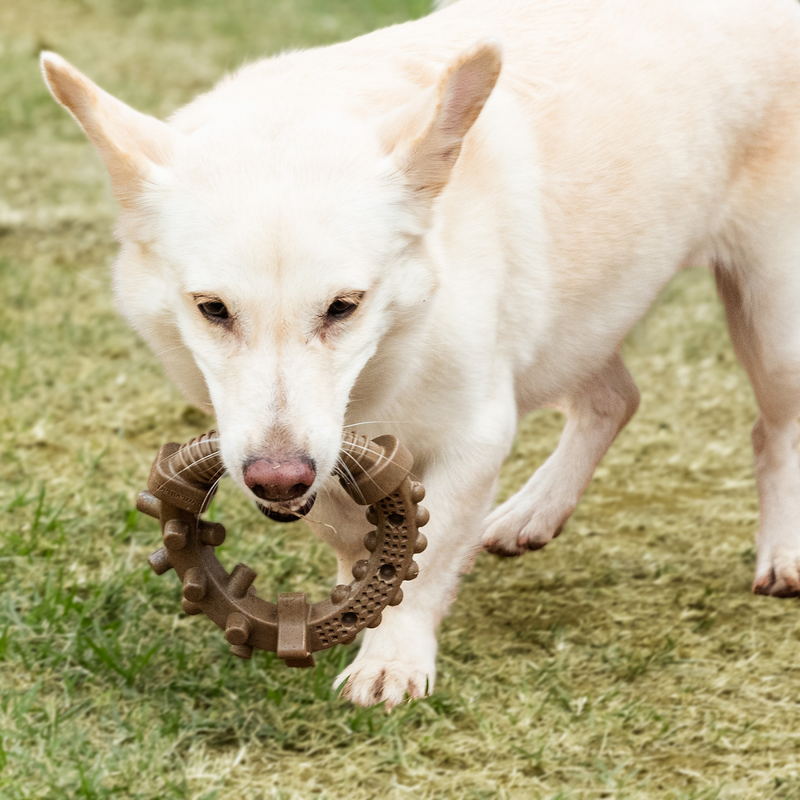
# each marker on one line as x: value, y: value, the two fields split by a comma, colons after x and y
x: 280, y: 480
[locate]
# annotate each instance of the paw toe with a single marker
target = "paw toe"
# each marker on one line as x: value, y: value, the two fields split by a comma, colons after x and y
x: 501, y: 549
x: 780, y: 580
x: 374, y: 682
x: 520, y: 530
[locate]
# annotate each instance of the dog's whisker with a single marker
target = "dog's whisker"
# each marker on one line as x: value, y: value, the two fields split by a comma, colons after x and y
x: 192, y: 465
x: 200, y: 460
x: 211, y: 490
x: 378, y: 422
x: 210, y: 439
x: 366, y: 448
x: 321, y: 522
x: 352, y: 480
x: 170, y: 349
x: 349, y: 477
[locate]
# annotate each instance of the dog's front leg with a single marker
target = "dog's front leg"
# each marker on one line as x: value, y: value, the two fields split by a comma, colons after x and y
x: 537, y: 512
x: 397, y: 659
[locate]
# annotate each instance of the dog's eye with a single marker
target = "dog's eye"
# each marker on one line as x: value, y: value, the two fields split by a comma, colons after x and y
x: 214, y: 310
x: 339, y: 309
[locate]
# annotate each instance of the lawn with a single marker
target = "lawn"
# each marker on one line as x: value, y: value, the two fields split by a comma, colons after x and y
x: 628, y: 659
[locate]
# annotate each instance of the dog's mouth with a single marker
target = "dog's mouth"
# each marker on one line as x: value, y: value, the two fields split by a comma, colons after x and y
x: 286, y: 512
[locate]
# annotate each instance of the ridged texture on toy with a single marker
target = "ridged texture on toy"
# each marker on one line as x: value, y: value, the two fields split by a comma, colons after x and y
x: 397, y: 516
x: 372, y: 469
x: 186, y: 474
x: 200, y: 456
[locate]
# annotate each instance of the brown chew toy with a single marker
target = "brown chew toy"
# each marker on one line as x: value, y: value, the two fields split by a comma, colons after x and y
x: 182, y: 483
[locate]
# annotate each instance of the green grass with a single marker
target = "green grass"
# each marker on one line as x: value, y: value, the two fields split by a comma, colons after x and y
x: 626, y: 660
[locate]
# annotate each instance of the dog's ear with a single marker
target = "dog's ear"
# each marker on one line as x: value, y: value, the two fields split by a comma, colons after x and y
x: 427, y: 160
x: 129, y: 143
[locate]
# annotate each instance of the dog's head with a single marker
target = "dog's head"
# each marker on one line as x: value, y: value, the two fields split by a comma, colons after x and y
x: 269, y: 245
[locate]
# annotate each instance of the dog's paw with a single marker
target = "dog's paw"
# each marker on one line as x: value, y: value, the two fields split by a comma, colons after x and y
x: 778, y: 572
x: 521, y: 524
x: 369, y: 681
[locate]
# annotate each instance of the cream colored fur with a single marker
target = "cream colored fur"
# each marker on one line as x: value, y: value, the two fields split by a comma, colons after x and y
x: 503, y: 253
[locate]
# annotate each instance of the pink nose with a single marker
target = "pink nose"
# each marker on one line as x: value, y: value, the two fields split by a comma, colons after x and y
x: 280, y: 480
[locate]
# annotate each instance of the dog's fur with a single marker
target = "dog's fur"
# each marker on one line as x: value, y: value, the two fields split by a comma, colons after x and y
x: 498, y: 256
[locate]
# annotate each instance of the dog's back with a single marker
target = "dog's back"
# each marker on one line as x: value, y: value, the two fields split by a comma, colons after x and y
x: 643, y: 125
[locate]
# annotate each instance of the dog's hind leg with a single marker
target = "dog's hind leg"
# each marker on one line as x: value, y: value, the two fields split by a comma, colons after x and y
x: 595, y: 415
x: 763, y: 310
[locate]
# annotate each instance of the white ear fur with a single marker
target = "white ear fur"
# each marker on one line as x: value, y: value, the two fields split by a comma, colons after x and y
x: 463, y: 90
x: 129, y: 143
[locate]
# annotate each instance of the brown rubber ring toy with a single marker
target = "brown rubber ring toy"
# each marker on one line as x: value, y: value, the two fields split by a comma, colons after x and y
x: 181, y: 485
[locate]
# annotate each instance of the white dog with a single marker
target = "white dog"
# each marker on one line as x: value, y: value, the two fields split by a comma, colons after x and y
x: 346, y: 237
